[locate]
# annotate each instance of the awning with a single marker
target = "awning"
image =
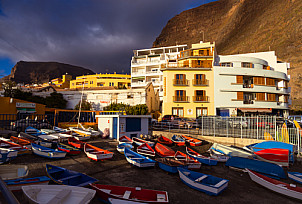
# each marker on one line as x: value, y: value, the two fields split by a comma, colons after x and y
x: 254, y: 110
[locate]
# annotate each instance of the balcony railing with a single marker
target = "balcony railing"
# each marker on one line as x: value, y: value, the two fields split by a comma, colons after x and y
x: 180, y: 98
x: 248, y: 102
x: 247, y: 85
x: 200, y: 82
x: 180, y: 82
x: 201, y: 98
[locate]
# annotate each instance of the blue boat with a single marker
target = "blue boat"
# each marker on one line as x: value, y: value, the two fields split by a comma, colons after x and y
x: 178, y: 140
x: 16, y: 184
x: 138, y: 159
x: 209, y: 184
x: 296, y: 176
x: 273, y: 144
x: 47, y: 152
x: 7, y: 155
x: 202, y: 159
x: 169, y: 164
x: 33, y: 131
x: 121, y: 147
x: 67, y: 177
x: 269, y: 169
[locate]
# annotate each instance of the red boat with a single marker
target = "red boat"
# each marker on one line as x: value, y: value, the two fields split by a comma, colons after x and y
x: 21, y: 141
x: 125, y: 139
x: 188, y: 160
x: 274, y: 155
x: 192, y: 141
x: 76, y: 143
x: 145, y: 149
x: 96, y: 153
x: 139, y: 141
x: 164, y: 151
x: 164, y: 140
x: 136, y: 195
x: 69, y: 149
x: 13, y: 146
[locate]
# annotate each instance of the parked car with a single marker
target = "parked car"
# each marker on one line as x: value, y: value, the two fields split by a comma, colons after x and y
x: 238, y: 122
x: 184, y: 122
x: 169, y: 118
x: 20, y: 125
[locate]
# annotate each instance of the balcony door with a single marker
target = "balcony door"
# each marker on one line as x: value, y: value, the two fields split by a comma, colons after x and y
x: 178, y: 111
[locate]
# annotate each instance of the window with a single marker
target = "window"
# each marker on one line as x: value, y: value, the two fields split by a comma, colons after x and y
x: 240, y: 96
x: 247, y: 65
x: 130, y: 96
x: 112, y: 84
x: 271, y: 97
x: 201, y: 111
x: 133, y: 124
x: 260, y: 96
x: 259, y: 80
x: 239, y: 79
x: 178, y: 111
x: 109, y: 83
x: 199, y: 79
x: 226, y: 64
x: 270, y: 82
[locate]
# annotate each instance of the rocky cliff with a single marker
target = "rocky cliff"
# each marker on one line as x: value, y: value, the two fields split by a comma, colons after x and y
x: 242, y: 26
x: 39, y: 72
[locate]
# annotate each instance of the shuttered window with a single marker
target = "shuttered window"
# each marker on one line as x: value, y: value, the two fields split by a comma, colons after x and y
x: 259, y: 81
x: 271, y: 97
x: 260, y: 96
x: 240, y: 96
x: 285, y: 99
x: 270, y: 82
x: 239, y: 79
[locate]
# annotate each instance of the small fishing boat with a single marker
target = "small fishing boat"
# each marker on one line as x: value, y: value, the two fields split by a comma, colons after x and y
x: 33, y: 131
x: 178, y: 140
x: 58, y: 194
x: 146, y: 150
x: 57, y: 129
x: 192, y: 141
x: 7, y: 155
x: 125, y: 139
x: 274, y: 144
x: 69, y: 149
x: 169, y: 164
x: 11, y: 145
x: 135, y: 194
x: 67, y: 177
x: 47, y: 152
x: 218, y: 156
x: 164, y: 140
x: 48, y: 131
x: 296, y: 176
x: 189, y: 161
x: 164, y: 151
x: 270, y: 169
x: 231, y: 151
x: 46, y: 143
x: 8, y: 172
x: 209, y: 184
x: 137, y: 159
x: 139, y: 141
x: 84, y: 135
x: 203, y: 159
x: 96, y: 153
x: 16, y: 184
x: 290, y: 190
x: 274, y: 155
x: 121, y: 147
x: 21, y: 141
x: 76, y: 143
x: 119, y: 201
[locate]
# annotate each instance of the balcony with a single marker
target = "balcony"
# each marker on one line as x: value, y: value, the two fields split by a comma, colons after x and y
x: 248, y: 102
x: 181, y: 99
x: 247, y: 85
x: 180, y: 82
x: 200, y: 82
x: 201, y: 99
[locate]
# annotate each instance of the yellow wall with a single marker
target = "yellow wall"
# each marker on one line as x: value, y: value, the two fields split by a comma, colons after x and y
x: 101, y: 80
x: 10, y: 108
x: 169, y: 91
x: 152, y: 99
x: 62, y: 83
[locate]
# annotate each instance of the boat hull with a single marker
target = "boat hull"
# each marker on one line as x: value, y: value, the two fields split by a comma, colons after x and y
x: 164, y: 151
x: 137, y: 159
x: 296, y: 176
x: 96, y: 153
x: 47, y: 152
x: 16, y: 184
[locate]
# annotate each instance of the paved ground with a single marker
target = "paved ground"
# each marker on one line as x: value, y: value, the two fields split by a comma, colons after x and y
x: 118, y: 172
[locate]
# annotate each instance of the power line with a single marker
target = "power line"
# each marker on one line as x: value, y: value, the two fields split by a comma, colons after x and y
x: 20, y: 51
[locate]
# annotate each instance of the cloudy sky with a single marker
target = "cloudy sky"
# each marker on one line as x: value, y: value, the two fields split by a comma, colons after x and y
x: 95, y: 34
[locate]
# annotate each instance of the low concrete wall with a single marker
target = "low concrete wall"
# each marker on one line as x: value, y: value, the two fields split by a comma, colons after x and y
x: 222, y: 140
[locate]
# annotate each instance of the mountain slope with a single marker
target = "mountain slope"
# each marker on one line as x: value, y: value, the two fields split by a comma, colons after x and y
x: 242, y: 26
x: 39, y: 72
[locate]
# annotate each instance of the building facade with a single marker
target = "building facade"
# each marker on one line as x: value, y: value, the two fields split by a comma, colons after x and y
x: 251, y: 84
x: 146, y: 66
x: 62, y: 83
x: 101, y: 80
x: 188, y: 87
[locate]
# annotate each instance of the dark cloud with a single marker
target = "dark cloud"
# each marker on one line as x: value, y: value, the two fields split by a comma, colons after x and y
x: 96, y: 34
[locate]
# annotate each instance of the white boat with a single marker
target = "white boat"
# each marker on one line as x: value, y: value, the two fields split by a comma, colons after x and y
x: 218, y: 156
x: 8, y: 172
x: 231, y: 151
x: 47, y: 152
x: 48, y: 131
x: 53, y: 194
x: 290, y: 190
x: 7, y: 155
x: 120, y: 201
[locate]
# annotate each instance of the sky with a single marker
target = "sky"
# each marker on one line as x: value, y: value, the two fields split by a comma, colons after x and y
x: 96, y: 34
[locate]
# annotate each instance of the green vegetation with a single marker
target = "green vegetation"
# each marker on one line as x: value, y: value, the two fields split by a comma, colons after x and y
x: 140, y: 109
x: 85, y: 105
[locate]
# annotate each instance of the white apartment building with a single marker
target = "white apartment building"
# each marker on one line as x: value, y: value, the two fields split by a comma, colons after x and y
x: 249, y: 84
x: 146, y: 65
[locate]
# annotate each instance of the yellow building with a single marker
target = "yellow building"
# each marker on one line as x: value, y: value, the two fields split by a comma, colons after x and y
x: 13, y: 106
x: 102, y: 80
x: 62, y: 83
x: 189, y: 86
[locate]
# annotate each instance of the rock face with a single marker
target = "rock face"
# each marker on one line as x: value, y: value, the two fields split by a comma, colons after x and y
x: 243, y: 26
x: 39, y: 72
